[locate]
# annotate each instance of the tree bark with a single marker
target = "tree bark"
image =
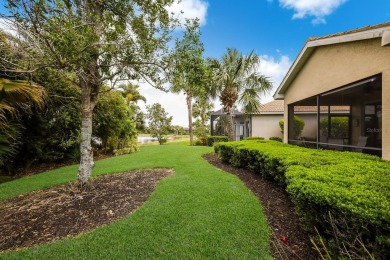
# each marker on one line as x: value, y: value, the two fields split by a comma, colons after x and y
x: 86, y: 152
x: 230, y: 129
x: 229, y: 97
x: 189, y: 107
x: 90, y: 82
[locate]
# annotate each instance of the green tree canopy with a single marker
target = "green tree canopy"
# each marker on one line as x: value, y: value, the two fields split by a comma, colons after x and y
x: 189, y: 70
x: 91, y: 44
x: 159, y: 123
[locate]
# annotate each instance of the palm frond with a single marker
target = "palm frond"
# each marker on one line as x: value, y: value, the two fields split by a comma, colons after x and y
x: 16, y: 95
x: 250, y: 100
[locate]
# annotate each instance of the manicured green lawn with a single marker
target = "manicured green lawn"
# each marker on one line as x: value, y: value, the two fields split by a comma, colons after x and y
x: 198, y: 213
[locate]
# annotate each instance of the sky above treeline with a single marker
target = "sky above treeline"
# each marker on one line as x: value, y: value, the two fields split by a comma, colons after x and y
x: 275, y: 29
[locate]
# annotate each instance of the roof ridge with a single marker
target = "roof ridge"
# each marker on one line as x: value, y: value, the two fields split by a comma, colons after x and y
x: 360, y: 29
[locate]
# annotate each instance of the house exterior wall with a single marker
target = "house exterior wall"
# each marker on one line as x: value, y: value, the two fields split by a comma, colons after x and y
x: 336, y: 65
x: 266, y: 125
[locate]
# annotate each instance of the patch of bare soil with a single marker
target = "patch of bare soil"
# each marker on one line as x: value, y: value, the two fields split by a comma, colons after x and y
x: 63, y: 211
x: 289, y: 240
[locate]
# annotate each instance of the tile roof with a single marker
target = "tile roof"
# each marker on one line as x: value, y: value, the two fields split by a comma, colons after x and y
x: 273, y: 106
x: 277, y: 106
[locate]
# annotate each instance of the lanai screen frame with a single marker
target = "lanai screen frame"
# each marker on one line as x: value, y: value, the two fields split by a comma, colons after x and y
x: 341, y: 101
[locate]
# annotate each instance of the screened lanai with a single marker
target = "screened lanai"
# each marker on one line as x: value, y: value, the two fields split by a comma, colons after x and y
x: 348, y: 118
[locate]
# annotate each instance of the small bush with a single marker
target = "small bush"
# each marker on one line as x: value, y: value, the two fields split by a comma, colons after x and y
x: 211, y: 140
x: 254, y: 138
x: 353, y: 188
x: 199, y: 142
x: 299, y: 124
x: 276, y: 138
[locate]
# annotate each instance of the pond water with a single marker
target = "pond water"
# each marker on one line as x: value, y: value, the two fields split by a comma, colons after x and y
x: 146, y: 139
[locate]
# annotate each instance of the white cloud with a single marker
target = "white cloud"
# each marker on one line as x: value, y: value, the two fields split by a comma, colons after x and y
x: 7, y: 26
x: 173, y: 104
x: 275, y: 70
x: 317, y: 8
x: 190, y: 9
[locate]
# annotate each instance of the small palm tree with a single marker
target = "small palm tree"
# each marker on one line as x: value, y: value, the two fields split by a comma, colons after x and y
x: 131, y: 93
x: 236, y: 78
x: 16, y: 96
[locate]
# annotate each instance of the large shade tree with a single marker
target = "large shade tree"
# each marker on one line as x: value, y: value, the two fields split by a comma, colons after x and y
x: 236, y: 79
x: 92, y: 43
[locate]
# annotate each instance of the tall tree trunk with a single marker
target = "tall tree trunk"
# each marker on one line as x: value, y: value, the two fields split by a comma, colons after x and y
x: 89, y: 80
x: 189, y: 107
x: 86, y: 152
x: 229, y: 97
x: 230, y: 125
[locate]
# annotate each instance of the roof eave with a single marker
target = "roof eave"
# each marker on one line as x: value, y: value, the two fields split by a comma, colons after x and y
x: 310, y: 46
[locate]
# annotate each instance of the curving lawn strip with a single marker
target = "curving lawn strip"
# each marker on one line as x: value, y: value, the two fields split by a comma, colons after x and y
x: 200, y: 212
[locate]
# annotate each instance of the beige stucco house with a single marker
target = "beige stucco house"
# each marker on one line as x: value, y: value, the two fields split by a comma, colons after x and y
x: 349, y: 69
x: 265, y: 123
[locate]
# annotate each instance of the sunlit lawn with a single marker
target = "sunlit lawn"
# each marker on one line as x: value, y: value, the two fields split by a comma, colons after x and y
x: 198, y: 213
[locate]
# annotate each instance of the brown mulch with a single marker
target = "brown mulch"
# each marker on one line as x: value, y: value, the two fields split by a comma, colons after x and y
x: 63, y: 211
x: 288, y: 240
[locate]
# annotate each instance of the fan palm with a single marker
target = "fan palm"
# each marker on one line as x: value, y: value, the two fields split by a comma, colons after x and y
x: 131, y: 93
x: 15, y: 96
x: 236, y: 79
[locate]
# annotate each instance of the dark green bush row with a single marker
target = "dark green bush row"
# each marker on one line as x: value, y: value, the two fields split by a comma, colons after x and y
x: 216, y: 139
x: 276, y: 138
x: 353, y: 187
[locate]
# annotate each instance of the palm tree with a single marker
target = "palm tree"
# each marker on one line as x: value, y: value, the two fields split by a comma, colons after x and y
x: 236, y: 78
x: 16, y: 96
x: 131, y: 93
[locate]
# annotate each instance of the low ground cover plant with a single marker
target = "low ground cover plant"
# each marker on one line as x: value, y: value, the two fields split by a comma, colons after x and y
x: 216, y: 138
x: 350, y: 190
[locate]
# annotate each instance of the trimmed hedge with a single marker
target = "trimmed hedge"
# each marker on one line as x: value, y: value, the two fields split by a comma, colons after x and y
x: 353, y: 187
x: 216, y: 139
x: 276, y: 138
x: 254, y: 138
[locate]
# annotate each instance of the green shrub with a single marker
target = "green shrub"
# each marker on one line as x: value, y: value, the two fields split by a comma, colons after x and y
x: 254, y: 138
x: 299, y: 124
x: 353, y: 187
x: 199, y: 142
x: 276, y: 138
x: 339, y: 128
x: 211, y: 140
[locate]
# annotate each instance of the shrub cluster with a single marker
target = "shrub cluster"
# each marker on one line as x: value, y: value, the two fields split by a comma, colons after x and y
x: 216, y: 139
x: 352, y: 189
x: 276, y: 138
x: 254, y: 138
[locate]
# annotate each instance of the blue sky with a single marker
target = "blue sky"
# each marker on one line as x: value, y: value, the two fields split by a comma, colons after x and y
x: 275, y: 29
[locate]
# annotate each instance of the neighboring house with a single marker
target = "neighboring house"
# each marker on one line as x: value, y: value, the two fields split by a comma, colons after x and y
x: 241, y: 124
x: 265, y: 123
x: 349, y: 69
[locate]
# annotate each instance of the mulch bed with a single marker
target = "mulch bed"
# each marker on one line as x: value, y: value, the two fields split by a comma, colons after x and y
x: 288, y: 240
x: 64, y: 211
